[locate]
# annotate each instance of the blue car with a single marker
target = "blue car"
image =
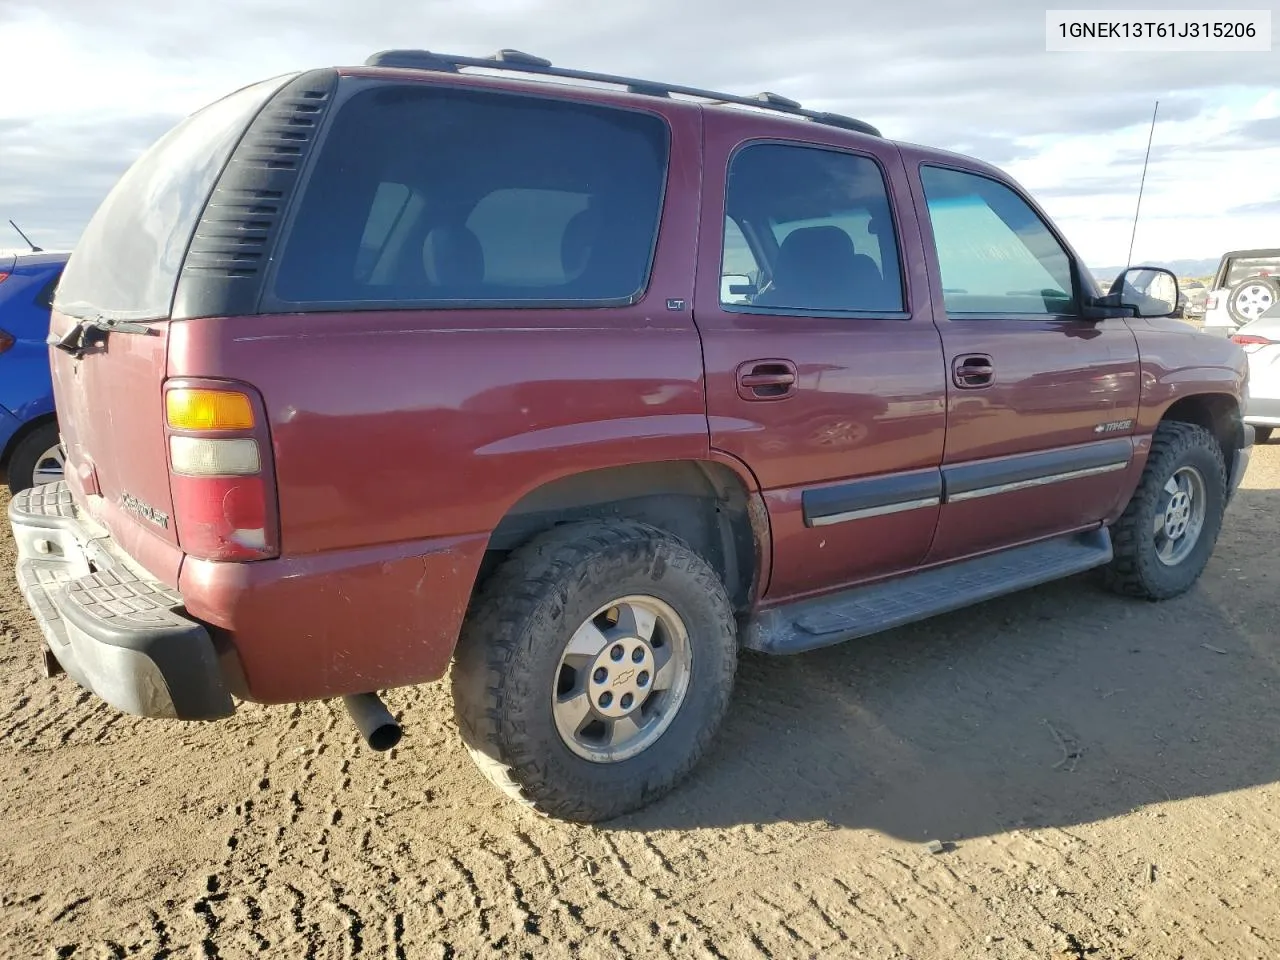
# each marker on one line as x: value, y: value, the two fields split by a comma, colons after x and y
x: 29, y: 450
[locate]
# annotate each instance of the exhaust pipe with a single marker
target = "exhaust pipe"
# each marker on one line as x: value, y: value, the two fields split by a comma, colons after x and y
x: 375, y: 722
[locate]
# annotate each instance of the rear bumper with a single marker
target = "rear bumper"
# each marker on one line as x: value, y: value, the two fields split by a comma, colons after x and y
x: 115, y: 631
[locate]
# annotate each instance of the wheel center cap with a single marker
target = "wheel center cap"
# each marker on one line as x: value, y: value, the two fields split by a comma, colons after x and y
x: 1177, y: 515
x: 621, y: 677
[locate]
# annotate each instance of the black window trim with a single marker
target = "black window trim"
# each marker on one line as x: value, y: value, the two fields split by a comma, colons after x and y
x: 351, y: 86
x: 903, y: 282
x: 941, y: 311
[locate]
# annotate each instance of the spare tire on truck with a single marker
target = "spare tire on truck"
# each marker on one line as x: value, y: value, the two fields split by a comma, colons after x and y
x: 1251, y: 298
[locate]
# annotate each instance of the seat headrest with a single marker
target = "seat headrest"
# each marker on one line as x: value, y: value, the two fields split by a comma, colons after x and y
x: 812, y: 251
x: 453, y: 257
x: 819, y: 268
x: 577, y: 242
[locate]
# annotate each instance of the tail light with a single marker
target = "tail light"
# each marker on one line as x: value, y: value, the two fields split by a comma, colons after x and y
x: 220, y: 471
x: 1211, y: 302
x: 1251, y: 340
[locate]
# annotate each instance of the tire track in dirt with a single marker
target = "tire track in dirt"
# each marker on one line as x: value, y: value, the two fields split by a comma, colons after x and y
x: 278, y: 833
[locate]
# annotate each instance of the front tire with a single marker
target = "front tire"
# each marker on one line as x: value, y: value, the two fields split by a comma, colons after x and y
x: 594, y: 669
x: 1165, y: 536
x: 1261, y: 434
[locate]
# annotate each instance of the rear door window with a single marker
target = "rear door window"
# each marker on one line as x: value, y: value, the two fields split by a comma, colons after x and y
x: 126, y: 262
x: 822, y: 222
x: 425, y: 196
x: 740, y: 272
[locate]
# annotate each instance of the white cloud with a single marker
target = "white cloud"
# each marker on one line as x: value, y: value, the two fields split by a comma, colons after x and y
x: 1190, y: 189
x: 101, y: 80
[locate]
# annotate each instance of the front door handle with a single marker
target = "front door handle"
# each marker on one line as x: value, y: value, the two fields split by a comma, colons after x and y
x: 767, y: 380
x: 973, y: 371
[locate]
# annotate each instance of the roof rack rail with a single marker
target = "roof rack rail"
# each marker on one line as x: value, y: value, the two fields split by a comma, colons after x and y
x: 520, y: 62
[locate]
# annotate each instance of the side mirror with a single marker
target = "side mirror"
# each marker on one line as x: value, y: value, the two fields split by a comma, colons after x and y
x: 736, y: 288
x: 1148, y: 291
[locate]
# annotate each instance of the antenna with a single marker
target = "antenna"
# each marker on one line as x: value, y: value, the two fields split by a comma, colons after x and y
x: 34, y: 248
x: 1150, y: 136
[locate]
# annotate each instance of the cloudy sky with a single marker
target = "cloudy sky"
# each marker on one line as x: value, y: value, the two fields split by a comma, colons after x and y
x: 87, y: 85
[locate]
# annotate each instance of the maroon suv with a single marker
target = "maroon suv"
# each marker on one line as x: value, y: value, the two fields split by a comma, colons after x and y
x: 582, y: 387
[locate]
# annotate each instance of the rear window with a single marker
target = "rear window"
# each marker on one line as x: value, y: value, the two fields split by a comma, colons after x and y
x: 423, y: 195
x: 126, y: 262
x: 1242, y: 268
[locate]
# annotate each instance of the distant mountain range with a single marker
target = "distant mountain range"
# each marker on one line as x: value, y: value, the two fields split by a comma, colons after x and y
x: 1183, y: 268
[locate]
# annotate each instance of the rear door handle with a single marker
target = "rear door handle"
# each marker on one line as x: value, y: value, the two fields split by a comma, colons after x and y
x: 973, y: 371
x: 767, y: 380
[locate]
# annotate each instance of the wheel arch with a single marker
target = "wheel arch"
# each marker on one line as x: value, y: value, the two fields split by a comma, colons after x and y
x: 713, y: 507
x: 1219, y: 413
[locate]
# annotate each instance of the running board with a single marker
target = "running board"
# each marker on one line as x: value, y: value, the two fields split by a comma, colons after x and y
x: 861, y: 611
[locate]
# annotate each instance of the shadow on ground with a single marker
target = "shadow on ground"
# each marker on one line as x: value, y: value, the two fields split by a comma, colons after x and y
x: 1052, y: 707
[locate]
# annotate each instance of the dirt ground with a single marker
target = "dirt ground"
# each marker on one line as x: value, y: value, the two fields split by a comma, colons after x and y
x: 1103, y: 774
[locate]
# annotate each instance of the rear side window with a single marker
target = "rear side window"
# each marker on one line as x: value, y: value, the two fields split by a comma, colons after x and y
x: 823, y: 229
x: 390, y: 201
x: 423, y: 195
x: 126, y: 262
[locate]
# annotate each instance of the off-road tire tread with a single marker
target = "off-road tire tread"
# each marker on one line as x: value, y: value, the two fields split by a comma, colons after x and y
x: 493, y: 631
x: 1129, y: 572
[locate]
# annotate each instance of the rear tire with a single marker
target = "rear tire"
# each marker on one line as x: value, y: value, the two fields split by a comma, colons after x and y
x: 1183, y: 488
x: 525, y: 653
x: 38, y: 450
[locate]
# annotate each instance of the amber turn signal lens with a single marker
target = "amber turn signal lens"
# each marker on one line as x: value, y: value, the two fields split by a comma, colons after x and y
x: 208, y: 410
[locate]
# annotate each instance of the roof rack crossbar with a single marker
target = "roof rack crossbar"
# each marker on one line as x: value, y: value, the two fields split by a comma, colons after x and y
x: 516, y: 61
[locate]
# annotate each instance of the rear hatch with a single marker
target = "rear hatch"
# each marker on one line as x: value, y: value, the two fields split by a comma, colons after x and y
x: 111, y: 324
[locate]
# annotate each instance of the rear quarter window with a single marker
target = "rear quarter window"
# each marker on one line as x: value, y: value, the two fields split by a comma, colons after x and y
x: 126, y: 262
x: 1243, y: 268
x: 424, y: 195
